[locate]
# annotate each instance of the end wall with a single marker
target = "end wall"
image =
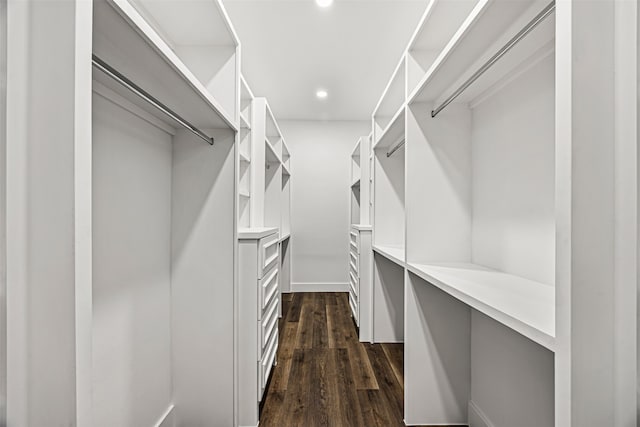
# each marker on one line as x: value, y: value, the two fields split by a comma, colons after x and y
x: 320, y: 162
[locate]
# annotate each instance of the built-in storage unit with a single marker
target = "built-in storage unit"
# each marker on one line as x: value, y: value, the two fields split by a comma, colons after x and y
x: 128, y: 163
x: 475, y: 214
x: 360, y: 254
x: 389, y: 210
x: 265, y: 240
x: 258, y: 313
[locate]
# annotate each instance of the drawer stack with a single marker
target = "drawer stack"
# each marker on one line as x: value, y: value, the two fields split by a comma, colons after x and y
x: 354, y: 275
x: 360, y: 283
x: 259, y: 276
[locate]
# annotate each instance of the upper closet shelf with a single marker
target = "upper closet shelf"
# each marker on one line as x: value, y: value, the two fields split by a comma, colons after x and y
x: 244, y: 122
x: 392, y: 253
x: 271, y: 156
x: 394, y: 130
x: 125, y: 40
x: 487, y: 29
x: 523, y: 305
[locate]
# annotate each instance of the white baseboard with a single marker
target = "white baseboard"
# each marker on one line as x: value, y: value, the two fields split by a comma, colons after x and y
x: 319, y: 287
x: 477, y: 418
x: 167, y: 419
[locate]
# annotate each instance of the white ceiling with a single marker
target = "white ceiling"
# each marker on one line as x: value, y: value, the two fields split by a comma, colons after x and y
x: 291, y: 48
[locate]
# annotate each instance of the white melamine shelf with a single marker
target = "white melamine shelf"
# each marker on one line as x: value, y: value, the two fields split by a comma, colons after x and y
x: 487, y: 28
x: 362, y: 227
x: 270, y: 153
x: 285, y: 170
x: 355, y: 183
x: 244, y: 158
x: 244, y: 123
x: 523, y: 305
x: 394, y: 130
x: 172, y: 82
x: 285, y: 237
x: 392, y: 253
x: 243, y: 193
x: 256, y: 232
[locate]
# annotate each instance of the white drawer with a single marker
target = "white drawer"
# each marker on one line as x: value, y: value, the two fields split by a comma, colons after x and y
x: 267, y: 254
x: 353, y: 285
x: 354, y: 308
x: 268, y: 290
x: 353, y: 261
x: 354, y: 238
x: 268, y: 325
x: 266, y: 363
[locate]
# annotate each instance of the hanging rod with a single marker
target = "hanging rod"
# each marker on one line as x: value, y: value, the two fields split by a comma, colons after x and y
x: 396, y: 147
x: 124, y: 81
x: 503, y: 50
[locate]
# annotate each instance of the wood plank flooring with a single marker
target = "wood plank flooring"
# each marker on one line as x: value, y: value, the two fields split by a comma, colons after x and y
x: 325, y: 376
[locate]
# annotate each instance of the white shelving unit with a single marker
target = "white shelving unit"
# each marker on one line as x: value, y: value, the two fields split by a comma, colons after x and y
x: 479, y: 266
x: 389, y: 209
x: 131, y: 217
x: 267, y: 232
x: 360, y: 254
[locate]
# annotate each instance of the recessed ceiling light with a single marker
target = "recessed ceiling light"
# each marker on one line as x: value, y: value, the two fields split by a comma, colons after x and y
x: 321, y: 93
x: 324, y: 3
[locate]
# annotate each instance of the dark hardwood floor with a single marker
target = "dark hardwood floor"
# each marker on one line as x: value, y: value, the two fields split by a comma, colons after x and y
x: 325, y: 376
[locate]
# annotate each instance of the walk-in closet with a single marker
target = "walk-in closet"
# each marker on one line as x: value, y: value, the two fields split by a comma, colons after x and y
x: 306, y: 213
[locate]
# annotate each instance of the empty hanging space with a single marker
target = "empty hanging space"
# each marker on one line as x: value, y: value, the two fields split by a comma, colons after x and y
x: 162, y: 228
x: 481, y: 220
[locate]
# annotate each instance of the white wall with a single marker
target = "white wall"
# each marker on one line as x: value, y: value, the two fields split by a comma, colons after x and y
x: 131, y: 268
x: 320, y: 172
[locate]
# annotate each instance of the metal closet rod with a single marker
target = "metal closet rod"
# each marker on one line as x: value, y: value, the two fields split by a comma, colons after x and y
x: 124, y: 81
x: 396, y: 147
x: 503, y: 50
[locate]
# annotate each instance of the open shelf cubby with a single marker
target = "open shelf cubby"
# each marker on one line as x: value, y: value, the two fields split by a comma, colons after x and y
x: 440, y: 21
x: 389, y: 195
x: 391, y: 102
x: 207, y: 46
x: 481, y: 225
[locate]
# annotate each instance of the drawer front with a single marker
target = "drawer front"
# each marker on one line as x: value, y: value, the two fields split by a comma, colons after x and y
x: 354, y: 261
x: 267, y: 254
x: 266, y: 363
x: 353, y: 247
x: 268, y: 325
x: 353, y: 285
x: 268, y: 289
x: 354, y: 238
x: 354, y: 308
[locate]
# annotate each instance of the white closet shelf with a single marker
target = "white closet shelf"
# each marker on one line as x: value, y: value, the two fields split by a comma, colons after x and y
x: 362, y: 227
x: 256, y: 232
x: 244, y: 158
x: 244, y: 122
x: 119, y: 24
x: 270, y: 153
x: 392, y: 253
x: 244, y: 193
x: 356, y: 182
x: 285, y: 170
x: 393, y: 131
x: 284, y: 237
x: 526, y: 306
x: 487, y: 28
